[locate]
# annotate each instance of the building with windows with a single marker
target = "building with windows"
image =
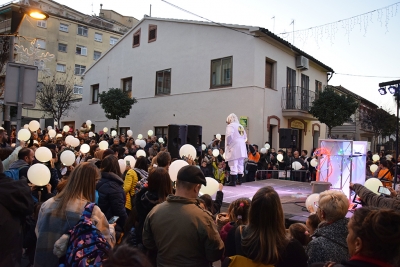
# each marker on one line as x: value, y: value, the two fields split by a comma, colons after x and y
x: 197, y: 73
x: 67, y: 42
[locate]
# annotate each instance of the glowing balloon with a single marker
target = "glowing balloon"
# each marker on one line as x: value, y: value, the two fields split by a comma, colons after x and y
x: 314, y: 162
x: 279, y: 157
x: 375, y: 157
x: 131, y: 160
x: 88, y: 123
x: 34, y: 125
x: 312, y: 202
x: 1, y: 128
x: 85, y: 148
x: 215, y: 153
x: 67, y: 157
x: 52, y: 133
x: 26, y: 126
x: 296, y: 165
x: 103, y: 145
x: 161, y: 140
x: 129, y: 133
x: 203, y: 147
x: 263, y: 150
x: 150, y: 132
x: 140, y: 153
x: 24, y: 135
x: 373, y: 168
x: 35, y: 142
x: 49, y: 128
x: 55, y: 123
x: 66, y: 128
x: 218, y: 136
x: 122, y: 165
x: 91, y: 134
x: 223, y: 155
x: 39, y: 174
x: 373, y: 185
x: 75, y: 142
x: 69, y: 139
x: 188, y: 150
x: 137, y: 142
x: 113, y: 133
x: 59, y: 136
x: 211, y: 188
x: 267, y: 146
x: 175, y: 167
x: 43, y: 154
x: 105, y: 129
x: 140, y: 136
x: 142, y: 143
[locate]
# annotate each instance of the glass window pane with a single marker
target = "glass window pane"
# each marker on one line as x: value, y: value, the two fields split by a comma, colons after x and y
x: 226, y: 71
x: 159, y: 77
x: 216, y: 72
x: 167, y: 81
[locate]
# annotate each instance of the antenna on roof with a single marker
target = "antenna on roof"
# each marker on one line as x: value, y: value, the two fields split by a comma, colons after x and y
x: 92, y: 8
x: 273, y: 29
x: 150, y: 10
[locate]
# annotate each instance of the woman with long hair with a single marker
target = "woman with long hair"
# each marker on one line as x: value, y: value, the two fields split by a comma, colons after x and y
x: 62, y: 212
x: 264, y: 239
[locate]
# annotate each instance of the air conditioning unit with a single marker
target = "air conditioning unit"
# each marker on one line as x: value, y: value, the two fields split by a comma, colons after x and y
x: 302, y: 63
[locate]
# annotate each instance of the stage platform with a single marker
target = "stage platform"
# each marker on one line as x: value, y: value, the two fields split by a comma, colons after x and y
x: 292, y: 194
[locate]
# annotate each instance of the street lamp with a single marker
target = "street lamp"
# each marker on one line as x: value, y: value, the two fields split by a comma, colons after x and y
x: 394, y: 89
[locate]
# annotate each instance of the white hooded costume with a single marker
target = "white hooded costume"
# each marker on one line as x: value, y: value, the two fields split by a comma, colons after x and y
x: 235, y: 144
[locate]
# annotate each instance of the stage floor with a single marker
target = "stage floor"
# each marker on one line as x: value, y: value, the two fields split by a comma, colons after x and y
x: 292, y: 194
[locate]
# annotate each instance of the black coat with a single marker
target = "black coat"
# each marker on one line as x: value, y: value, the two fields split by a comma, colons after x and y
x: 112, y: 197
x: 145, y: 201
x: 16, y: 203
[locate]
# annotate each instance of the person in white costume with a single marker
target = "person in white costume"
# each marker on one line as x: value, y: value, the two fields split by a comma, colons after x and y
x: 235, y: 148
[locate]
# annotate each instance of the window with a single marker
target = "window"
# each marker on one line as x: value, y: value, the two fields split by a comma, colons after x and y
x: 61, y: 68
x: 98, y: 37
x: 318, y: 87
x: 136, y: 39
x: 60, y: 88
x: 290, y: 78
x: 96, y: 55
x: 81, y: 50
x: 221, y: 72
x: 113, y: 40
x: 291, y: 92
x: 123, y: 130
x: 82, y: 30
x: 305, y: 92
x: 42, y: 23
x: 269, y: 74
x: 79, y: 69
x: 127, y: 86
x: 161, y: 131
x: 39, y: 86
x: 63, y: 27
x: 152, y: 33
x: 78, y: 89
x: 62, y: 48
x: 40, y: 43
x: 163, y: 82
x: 95, y: 94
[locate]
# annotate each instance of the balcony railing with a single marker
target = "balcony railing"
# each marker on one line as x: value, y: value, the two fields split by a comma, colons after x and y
x: 297, y: 98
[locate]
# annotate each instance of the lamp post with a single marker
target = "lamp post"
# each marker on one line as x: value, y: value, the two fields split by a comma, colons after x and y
x: 394, y: 89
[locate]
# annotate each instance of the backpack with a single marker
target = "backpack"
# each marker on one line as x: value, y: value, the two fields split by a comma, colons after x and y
x: 13, y: 173
x: 87, y: 246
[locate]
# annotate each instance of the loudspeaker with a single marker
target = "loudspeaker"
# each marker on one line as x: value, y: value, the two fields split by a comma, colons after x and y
x: 177, y: 136
x: 285, y: 138
x: 194, y: 137
x: 295, y: 136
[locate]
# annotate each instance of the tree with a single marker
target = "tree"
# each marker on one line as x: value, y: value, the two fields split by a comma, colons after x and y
x: 116, y: 104
x: 332, y: 108
x: 55, y: 95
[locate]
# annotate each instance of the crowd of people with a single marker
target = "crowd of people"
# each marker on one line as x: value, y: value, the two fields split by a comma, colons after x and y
x: 142, y: 218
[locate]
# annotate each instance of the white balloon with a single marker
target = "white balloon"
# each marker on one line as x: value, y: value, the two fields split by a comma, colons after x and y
x: 68, y: 139
x: 373, y: 185
x: 150, y: 132
x: 215, y: 153
x: 66, y: 128
x: 203, y: 147
x: 43, y: 154
x: 296, y: 165
x: 67, y: 157
x: 122, y: 165
x: 142, y: 143
x: 375, y: 157
x: 103, y: 145
x: 187, y: 150
x: 85, y: 148
x: 39, y: 174
x: 263, y: 150
x: 35, y: 142
x: 34, y: 125
x: 314, y: 162
x: 55, y: 123
x: 129, y: 133
x: 137, y: 142
x: 49, y: 128
x: 131, y: 159
x: 140, y: 136
x: 175, y: 167
x: 75, y: 142
x: 267, y: 146
x: 312, y: 202
x: 59, y: 136
x: 279, y: 157
x: 218, y: 136
x: 88, y: 123
x: 211, y: 188
x: 24, y: 135
x: 373, y: 168
x: 113, y: 133
x: 1, y: 128
x: 223, y: 155
x: 91, y: 134
x: 140, y: 153
x: 161, y: 140
x: 26, y: 126
x: 52, y: 133
x: 105, y: 129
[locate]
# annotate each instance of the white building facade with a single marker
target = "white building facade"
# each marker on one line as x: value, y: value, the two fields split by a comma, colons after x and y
x: 196, y: 73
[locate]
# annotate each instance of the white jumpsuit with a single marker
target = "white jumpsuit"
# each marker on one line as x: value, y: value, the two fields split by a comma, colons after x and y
x: 235, y: 147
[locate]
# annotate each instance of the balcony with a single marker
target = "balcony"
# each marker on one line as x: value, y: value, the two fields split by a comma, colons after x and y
x: 296, y: 102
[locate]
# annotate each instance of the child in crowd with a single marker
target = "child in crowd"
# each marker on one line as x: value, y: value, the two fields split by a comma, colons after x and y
x: 219, y: 172
x: 299, y: 232
x: 213, y: 206
x: 312, y: 223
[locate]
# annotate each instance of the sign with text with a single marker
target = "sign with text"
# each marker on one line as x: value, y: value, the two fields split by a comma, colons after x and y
x: 244, y: 121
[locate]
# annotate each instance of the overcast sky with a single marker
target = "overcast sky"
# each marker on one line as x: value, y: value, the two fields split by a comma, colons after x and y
x: 370, y: 48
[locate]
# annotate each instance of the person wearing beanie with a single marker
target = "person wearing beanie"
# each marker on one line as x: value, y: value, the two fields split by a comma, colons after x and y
x: 179, y: 230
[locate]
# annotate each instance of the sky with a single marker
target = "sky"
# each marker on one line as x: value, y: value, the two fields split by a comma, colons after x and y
x: 365, y: 45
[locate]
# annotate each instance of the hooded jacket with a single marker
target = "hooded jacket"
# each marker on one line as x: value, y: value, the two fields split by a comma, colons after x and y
x: 112, y: 196
x: 22, y: 165
x: 145, y: 202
